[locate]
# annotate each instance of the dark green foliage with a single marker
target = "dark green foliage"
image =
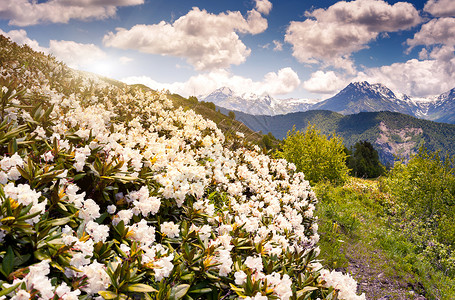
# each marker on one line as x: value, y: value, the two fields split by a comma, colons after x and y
x: 268, y: 141
x: 365, y: 126
x: 319, y: 157
x: 193, y: 99
x: 210, y: 105
x: 364, y: 161
x: 231, y: 115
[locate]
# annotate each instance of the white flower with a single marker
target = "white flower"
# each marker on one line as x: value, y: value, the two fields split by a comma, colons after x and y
x: 99, y: 233
x: 125, y: 248
x: 283, y: 289
x: 123, y: 215
x: 344, y: 283
x: 111, y: 209
x: 21, y: 295
x: 48, y: 157
x: 163, y: 267
x: 170, y: 229
x: 90, y: 210
x: 254, y: 263
x: 97, y: 278
x: 240, y: 277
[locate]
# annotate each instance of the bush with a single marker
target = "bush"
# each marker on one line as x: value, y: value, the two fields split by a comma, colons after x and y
x: 114, y: 194
x: 319, y: 157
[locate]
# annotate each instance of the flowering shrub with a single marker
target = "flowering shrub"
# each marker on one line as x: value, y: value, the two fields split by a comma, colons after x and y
x: 111, y: 193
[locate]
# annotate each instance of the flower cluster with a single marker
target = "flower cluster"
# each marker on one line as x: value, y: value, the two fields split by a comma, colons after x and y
x: 112, y: 192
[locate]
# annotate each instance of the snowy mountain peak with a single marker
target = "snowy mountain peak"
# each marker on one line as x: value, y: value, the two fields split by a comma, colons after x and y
x: 251, y: 103
x: 222, y: 91
x: 447, y: 96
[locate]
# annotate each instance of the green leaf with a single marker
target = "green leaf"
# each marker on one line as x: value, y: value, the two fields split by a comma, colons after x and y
x: 78, y: 176
x: 141, y: 288
x: 305, y: 290
x: 59, y: 222
x: 179, y: 291
x: 188, y: 276
x: 9, y: 290
x: 8, y: 261
x: 108, y: 294
x: 201, y: 291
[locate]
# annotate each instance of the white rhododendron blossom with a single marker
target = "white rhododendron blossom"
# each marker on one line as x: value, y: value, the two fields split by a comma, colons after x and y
x: 113, y: 184
x: 170, y: 229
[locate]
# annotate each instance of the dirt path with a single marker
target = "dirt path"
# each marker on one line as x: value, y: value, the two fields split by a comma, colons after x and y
x: 370, y: 271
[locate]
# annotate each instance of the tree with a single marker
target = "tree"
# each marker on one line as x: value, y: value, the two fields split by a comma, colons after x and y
x: 319, y: 157
x: 231, y: 115
x: 364, y: 161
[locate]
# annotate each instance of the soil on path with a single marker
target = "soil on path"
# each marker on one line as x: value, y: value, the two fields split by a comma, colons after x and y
x: 374, y: 277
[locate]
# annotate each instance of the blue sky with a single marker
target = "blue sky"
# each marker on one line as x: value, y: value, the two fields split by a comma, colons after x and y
x: 302, y: 49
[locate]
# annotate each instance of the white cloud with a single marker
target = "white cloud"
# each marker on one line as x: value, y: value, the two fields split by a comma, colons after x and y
x: 440, y: 8
x: 20, y: 37
x: 278, y: 46
x: 207, y: 41
x: 275, y: 83
x: 418, y: 78
x: 436, y: 31
x: 26, y: 12
x: 283, y: 82
x: 324, y: 82
x: 75, y: 54
x: 263, y: 6
x: 331, y: 35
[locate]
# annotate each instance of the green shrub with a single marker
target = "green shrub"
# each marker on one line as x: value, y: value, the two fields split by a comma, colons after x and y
x: 319, y: 157
x: 424, y: 189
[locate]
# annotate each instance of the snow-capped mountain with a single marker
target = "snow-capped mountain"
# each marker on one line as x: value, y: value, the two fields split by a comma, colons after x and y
x: 254, y: 104
x: 365, y: 97
x: 443, y: 108
x: 354, y: 98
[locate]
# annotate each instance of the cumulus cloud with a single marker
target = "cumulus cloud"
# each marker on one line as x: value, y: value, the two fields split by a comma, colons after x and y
x: 20, y: 37
x: 26, y: 12
x: 324, y: 82
x: 440, y: 8
x: 418, y: 78
x: 74, y: 54
x: 263, y: 6
x: 275, y: 83
x: 436, y: 31
x: 331, y: 35
x: 207, y: 41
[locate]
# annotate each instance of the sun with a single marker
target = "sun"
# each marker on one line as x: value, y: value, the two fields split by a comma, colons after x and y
x: 104, y: 68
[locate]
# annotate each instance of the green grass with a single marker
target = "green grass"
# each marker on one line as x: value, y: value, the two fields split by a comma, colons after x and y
x: 356, y: 225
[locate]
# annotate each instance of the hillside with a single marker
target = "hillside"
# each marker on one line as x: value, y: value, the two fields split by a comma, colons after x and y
x: 112, y: 192
x: 228, y: 125
x: 392, y: 134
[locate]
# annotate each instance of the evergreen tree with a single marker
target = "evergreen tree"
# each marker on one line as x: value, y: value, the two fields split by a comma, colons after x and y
x: 364, y: 161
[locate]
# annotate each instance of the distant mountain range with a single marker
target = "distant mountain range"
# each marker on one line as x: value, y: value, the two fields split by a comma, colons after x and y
x: 392, y: 134
x: 256, y: 104
x: 356, y: 97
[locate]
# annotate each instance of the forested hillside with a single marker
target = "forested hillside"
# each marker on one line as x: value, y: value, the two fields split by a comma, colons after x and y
x: 392, y: 134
